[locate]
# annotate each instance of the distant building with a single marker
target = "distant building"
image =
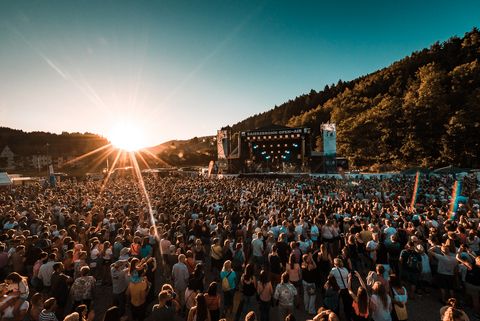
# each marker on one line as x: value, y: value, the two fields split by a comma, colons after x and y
x: 7, y: 157
x: 41, y: 161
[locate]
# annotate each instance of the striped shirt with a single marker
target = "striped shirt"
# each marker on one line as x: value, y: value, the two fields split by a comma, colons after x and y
x: 47, y: 316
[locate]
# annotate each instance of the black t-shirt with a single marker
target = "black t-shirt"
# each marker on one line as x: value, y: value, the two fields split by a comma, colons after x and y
x: 382, y: 257
x: 249, y: 288
x: 59, y: 288
x: 163, y: 313
x: 308, y: 275
x: 473, y: 276
x: 275, y: 265
x: 283, y: 251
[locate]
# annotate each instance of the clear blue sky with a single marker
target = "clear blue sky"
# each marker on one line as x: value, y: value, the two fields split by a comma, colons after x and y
x: 186, y: 68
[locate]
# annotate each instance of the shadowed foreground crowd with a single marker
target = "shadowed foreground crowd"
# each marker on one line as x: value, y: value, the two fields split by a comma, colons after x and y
x: 238, y: 249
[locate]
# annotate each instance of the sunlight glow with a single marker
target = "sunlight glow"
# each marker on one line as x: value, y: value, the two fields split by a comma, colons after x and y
x: 128, y: 137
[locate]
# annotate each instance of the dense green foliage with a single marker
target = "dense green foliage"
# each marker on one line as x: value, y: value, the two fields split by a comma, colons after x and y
x: 423, y: 110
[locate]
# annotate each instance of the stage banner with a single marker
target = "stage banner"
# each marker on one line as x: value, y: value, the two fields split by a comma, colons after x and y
x: 222, y: 144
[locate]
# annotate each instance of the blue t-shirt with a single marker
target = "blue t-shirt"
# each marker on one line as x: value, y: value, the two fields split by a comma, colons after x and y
x: 231, y: 276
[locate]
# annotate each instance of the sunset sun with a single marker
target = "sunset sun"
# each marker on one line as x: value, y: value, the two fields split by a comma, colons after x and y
x: 127, y: 136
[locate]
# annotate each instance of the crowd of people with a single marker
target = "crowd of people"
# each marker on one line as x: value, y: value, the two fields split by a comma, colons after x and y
x: 199, y: 249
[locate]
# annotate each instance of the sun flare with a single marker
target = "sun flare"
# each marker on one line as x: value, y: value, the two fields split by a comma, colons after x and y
x: 128, y: 137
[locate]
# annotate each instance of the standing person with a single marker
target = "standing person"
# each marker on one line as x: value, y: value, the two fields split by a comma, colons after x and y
x: 331, y: 298
x: 137, y: 292
x: 372, y: 247
x: 294, y: 272
x: 258, y: 251
x: 472, y: 285
x: 45, y: 272
x: 411, y: 264
x: 341, y: 276
x: 83, y: 288
x: 380, y: 303
x: 213, y: 301
x: 324, y: 263
x: 162, y: 311
x: 399, y: 298
x: 60, y: 288
x: 248, y: 287
x: 119, y: 273
x: 360, y: 299
x: 446, y: 270
x: 238, y: 260
x: 180, y: 278
x: 216, y: 255
x: 200, y: 311
x: 265, y: 293
x: 285, y: 294
x: 309, y: 288
x: 275, y: 266
x: 229, y: 283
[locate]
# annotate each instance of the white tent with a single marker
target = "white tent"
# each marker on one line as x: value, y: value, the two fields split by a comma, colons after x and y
x: 5, y: 179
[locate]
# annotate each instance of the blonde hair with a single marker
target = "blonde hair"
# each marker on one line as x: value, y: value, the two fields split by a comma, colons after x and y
x: 227, y: 265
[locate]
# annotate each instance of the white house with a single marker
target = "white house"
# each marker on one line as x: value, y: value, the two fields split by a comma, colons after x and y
x: 8, y: 155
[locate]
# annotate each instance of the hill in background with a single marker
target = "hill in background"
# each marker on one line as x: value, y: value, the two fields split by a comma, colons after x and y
x: 423, y: 110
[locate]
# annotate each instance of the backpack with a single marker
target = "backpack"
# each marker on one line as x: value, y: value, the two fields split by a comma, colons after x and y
x: 413, y: 262
x: 226, y: 283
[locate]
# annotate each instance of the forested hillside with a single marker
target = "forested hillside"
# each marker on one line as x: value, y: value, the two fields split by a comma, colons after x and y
x: 423, y: 110
x: 66, y: 144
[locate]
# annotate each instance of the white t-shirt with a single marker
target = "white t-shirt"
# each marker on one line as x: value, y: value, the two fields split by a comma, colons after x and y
x: 341, y: 276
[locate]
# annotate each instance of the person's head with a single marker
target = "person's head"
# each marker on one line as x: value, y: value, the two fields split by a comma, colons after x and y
x: 251, y: 316
x: 84, y: 271
x: 182, y: 258
x: 50, y: 304
x: 163, y: 297
x: 338, y: 262
x: 112, y: 314
x: 380, y: 269
x: 212, y: 289
x: 263, y: 277
x: 82, y: 310
x: 13, y: 277
x: 58, y: 267
x: 36, y: 299
x: 227, y: 265
x: 285, y: 277
x: 395, y: 281
x: 74, y: 316
x: 249, y: 271
x: 290, y: 317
